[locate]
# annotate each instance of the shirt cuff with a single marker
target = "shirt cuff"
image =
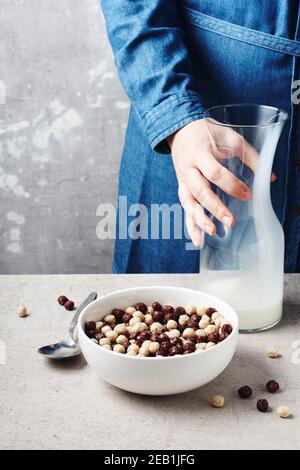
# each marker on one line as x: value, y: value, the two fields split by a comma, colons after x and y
x: 170, y: 115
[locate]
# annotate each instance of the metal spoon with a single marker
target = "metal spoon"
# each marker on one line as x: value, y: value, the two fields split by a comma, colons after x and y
x: 67, y: 347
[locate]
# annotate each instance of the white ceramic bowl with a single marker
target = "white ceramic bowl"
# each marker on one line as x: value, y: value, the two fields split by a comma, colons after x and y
x: 157, y: 375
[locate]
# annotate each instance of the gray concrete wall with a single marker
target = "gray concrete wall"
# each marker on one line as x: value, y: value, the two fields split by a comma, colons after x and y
x: 61, y: 133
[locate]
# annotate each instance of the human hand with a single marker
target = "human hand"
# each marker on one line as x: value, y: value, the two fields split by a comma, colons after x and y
x: 197, y: 164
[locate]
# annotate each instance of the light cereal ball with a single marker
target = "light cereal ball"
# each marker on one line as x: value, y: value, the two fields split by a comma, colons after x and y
x: 134, y: 320
x: 148, y: 319
x: 171, y: 325
x: 132, y: 341
x: 210, y: 329
x: 139, y: 327
x: 283, y: 411
x: 106, y: 346
x: 138, y: 314
x: 217, y: 401
x: 99, y: 326
x: 216, y: 316
x: 150, y: 309
x: 22, y: 311
x: 120, y: 329
x: 133, y: 348
x: 104, y: 341
x: 188, y: 333
x: 204, y: 322
x: 110, y: 319
x: 201, y: 311
x: 119, y: 348
x: 210, y: 345
x: 105, y: 329
x: 173, y: 333
x: 131, y: 353
x: 273, y: 352
x: 121, y: 339
x: 156, y: 327
x: 144, y: 351
x: 130, y: 310
x: 94, y: 341
x: 183, y: 319
x: 200, y: 333
x: 218, y: 323
x: 200, y: 347
x: 153, y: 347
x: 130, y: 329
x: 111, y: 335
x: 191, y: 309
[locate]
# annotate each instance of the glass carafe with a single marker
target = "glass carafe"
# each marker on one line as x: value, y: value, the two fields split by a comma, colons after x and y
x: 244, y: 264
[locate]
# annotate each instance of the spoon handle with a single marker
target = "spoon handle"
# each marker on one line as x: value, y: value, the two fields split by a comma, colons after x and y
x: 88, y: 300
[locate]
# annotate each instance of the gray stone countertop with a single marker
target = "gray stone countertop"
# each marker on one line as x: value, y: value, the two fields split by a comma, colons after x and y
x: 46, y: 405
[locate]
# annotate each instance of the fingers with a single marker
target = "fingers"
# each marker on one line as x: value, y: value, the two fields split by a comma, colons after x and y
x: 196, y: 217
x: 219, y: 175
x: 202, y: 192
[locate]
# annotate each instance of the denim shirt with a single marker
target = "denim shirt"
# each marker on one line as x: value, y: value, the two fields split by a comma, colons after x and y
x: 177, y: 57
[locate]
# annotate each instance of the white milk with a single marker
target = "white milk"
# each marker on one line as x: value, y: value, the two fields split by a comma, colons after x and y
x: 258, y: 304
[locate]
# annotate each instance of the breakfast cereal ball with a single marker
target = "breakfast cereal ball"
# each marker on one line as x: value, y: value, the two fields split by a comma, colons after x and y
x: 200, y: 347
x: 111, y: 335
x: 119, y: 348
x: 273, y: 352
x: 106, y: 346
x: 154, y: 347
x: 134, y: 320
x: 131, y: 353
x: 204, y: 322
x: 139, y: 315
x: 144, y: 351
x: 191, y: 309
x: 200, y: 333
x: 104, y: 341
x: 156, y: 327
x: 217, y: 401
x: 171, y: 324
x: 210, y: 329
x: 201, y: 311
x: 216, y: 315
x: 139, y: 327
x: 120, y: 329
x: 94, y: 341
x: 110, y: 319
x: 133, y: 348
x: 99, y: 326
x: 121, y: 339
x: 210, y: 345
x: 283, y: 411
x: 173, y: 334
x: 183, y: 319
x: 150, y: 309
x: 148, y: 319
x: 105, y: 329
x: 188, y: 333
x: 130, y: 310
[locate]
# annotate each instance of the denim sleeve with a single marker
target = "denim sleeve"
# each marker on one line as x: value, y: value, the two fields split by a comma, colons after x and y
x: 152, y: 59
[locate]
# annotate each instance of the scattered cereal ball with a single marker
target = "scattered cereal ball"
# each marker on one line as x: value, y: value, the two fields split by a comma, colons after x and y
x: 111, y: 335
x: 153, y: 347
x: 272, y: 386
x: 191, y: 309
x: 188, y: 333
x: 273, y: 352
x: 105, y: 329
x: 62, y: 299
x: 104, y: 341
x: 119, y: 348
x: 22, y: 311
x: 217, y: 401
x: 121, y: 339
x: 173, y: 333
x: 262, y: 405
x: 120, y: 329
x: 110, y: 319
x: 156, y: 327
x: 171, y: 324
x: 130, y: 310
x: 69, y: 305
x: 148, y: 319
x: 183, y: 319
x: 283, y: 411
x: 138, y: 314
x: 245, y: 392
x: 210, y: 345
x: 204, y: 322
x: 134, y: 320
x: 106, y: 346
x: 99, y: 326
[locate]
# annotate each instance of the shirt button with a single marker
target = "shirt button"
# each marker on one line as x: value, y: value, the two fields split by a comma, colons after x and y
x: 295, y: 211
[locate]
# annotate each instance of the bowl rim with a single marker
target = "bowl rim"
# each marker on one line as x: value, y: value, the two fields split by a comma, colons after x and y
x: 235, y: 331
